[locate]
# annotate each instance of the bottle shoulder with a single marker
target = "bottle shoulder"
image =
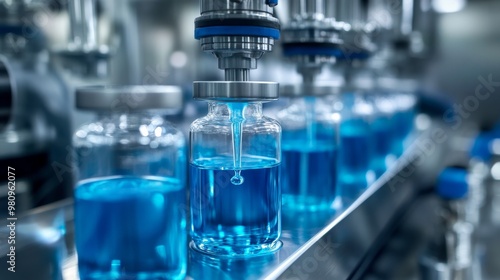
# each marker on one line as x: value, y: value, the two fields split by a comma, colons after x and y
x: 105, y: 132
x: 208, y: 124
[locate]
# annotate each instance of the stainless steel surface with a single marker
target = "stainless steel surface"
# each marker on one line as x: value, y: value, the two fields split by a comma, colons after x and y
x: 241, y: 74
x: 236, y: 44
x: 316, y: 245
x: 326, y: 32
x: 314, y: 9
x: 128, y: 98
x: 84, y: 55
x: 353, y: 12
x: 15, y: 12
x: 83, y: 24
x: 236, y: 51
x: 230, y: 6
x: 236, y: 91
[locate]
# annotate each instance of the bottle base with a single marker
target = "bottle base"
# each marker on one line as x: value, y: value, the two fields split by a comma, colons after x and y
x: 107, y: 275
x: 307, y: 203
x: 228, y: 251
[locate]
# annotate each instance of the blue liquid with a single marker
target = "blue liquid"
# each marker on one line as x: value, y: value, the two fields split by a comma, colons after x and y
x: 355, y: 158
x: 383, y: 143
x: 131, y: 228
x: 232, y: 219
x: 403, y: 127
x: 309, y: 177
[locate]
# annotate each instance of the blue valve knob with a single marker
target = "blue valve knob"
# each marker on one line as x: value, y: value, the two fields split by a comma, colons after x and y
x: 481, y: 147
x: 272, y: 3
x: 452, y: 183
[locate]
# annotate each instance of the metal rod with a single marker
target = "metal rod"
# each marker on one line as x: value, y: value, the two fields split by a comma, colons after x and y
x: 83, y: 24
x: 309, y: 8
x: 237, y: 74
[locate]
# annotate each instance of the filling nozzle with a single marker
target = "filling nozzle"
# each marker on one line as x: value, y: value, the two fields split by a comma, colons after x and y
x: 324, y: 32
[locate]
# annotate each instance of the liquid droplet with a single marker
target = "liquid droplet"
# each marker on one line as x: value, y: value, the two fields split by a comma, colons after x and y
x: 237, y: 178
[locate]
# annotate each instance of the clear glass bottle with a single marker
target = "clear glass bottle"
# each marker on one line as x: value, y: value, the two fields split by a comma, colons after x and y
x: 130, y: 199
x: 235, y: 194
x: 356, y: 145
x: 383, y: 130
x: 309, y: 149
x: 402, y: 94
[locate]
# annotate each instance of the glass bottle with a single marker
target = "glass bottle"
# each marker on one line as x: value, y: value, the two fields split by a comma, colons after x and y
x: 356, y: 145
x: 235, y: 155
x: 130, y: 199
x: 402, y: 94
x: 383, y: 131
x: 310, y: 148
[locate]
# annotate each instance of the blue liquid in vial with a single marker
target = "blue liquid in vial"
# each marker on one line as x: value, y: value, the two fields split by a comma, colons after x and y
x: 131, y: 228
x: 230, y: 219
x: 309, y: 176
x: 355, y: 158
x: 403, y: 127
x: 383, y: 143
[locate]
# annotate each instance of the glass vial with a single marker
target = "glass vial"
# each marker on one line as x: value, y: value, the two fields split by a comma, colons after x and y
x: 401, y: 92
x: 130, y: 199
x: 356, y: 145
x: 310, y: 153
x: 383, y: 131
x: 235, y: 193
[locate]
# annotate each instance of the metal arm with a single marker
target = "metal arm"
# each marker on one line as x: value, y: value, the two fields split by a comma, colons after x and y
x: 83, y: 24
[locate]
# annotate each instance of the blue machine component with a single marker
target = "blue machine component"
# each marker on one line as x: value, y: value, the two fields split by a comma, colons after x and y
x: 452, y: 183
x: 481, y: 148
x: 272, y: 3
x: 230, y: 30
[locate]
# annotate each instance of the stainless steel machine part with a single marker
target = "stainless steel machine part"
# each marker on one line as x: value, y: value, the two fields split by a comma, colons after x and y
x: 83, y: 55
x: 236, y: 91
x: 238, y: 33
x: 130, y: 98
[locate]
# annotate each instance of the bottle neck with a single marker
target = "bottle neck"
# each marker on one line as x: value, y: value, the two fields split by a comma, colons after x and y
x: 221, y: 109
